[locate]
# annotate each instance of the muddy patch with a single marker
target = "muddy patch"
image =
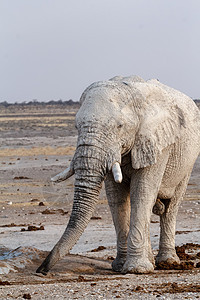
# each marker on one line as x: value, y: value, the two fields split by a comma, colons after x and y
x: 189, y: 255
x: 19, y: 258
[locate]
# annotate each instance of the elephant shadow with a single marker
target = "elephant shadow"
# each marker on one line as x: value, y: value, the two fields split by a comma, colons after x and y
x: 82, y: 265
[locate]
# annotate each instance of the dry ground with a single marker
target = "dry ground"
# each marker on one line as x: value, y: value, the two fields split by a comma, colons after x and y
x: 36, y: 143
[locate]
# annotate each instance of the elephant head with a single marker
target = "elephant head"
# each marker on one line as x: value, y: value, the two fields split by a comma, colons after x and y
x: 115, y: 118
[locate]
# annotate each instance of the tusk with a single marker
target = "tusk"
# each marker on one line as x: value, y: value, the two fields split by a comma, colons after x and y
x: 117, y: 173
x: 63, y: 175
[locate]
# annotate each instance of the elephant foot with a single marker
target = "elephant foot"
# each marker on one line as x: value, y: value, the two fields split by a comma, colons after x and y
x: 118, y: 263
x: 167, y: 259
x: 137, y: 266
x: 151, y: 258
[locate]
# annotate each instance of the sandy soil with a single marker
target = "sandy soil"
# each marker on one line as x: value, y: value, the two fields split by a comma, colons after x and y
x: 35, y: 145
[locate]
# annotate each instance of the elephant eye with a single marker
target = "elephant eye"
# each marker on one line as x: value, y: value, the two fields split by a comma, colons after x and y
x: 119, y: 126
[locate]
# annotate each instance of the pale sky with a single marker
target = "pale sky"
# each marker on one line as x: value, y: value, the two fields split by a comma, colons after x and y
x: 53, y: 49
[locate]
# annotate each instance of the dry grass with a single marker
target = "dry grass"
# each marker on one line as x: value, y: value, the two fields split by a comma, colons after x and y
x: 37, y: 151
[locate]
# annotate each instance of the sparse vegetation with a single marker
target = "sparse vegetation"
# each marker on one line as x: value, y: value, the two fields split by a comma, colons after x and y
x: 36, y: 107
x: 40, y: 103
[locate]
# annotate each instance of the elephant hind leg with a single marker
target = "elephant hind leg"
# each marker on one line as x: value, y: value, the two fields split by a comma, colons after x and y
x: 167, y: 253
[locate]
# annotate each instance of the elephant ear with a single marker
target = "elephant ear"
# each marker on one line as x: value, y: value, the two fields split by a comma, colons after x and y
x: 159, y: 128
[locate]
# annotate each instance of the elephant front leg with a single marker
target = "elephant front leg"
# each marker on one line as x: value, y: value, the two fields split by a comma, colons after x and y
x: 139, y: 256
x: 145, y: 184
x: 119, y: 202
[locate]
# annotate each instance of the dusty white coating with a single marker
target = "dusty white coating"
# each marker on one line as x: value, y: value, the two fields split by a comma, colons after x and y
x: 153, y: 131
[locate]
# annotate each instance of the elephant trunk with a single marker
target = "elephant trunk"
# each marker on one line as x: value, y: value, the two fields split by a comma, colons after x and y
x: 85, y: 198
x: 90, y: 165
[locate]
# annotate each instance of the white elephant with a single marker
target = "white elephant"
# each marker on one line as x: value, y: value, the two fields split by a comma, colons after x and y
x: 142, y: 138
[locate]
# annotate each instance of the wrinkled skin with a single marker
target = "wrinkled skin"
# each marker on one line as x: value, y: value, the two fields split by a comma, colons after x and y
x: 153, y: 132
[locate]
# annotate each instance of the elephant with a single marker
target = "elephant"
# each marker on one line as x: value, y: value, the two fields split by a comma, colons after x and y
x: 142, y: 139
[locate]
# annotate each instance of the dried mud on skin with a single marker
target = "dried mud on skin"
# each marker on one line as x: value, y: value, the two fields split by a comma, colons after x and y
x: 45, y: 139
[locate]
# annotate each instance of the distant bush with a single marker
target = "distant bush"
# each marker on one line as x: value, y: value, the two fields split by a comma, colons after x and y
x: 40, y: 103
x: 53, y: 102
x: 5, y: 104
